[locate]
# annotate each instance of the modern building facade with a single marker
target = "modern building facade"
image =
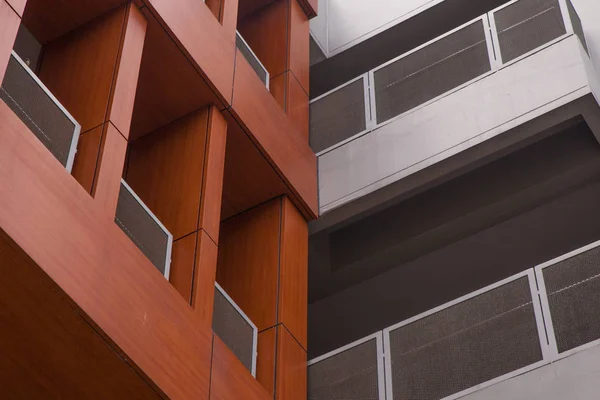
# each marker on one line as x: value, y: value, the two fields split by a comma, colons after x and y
x: 156, y: 187
x: 456, y: 252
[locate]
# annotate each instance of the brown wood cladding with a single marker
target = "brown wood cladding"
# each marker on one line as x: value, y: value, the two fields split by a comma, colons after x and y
x: 9, y: 25
x: 293, y: 280
x: 128, y: 68
x: 249, y: 179
x: 79, y: 68
x: 191, y: 20
x: 214, y: 169
x: 69, y: 360
x: 49, y: 19
x: 86, y: 159
x: 165, y: 169
x: 140, y: 311
x: 249, y: 261
x: 183, y: 259
x: 265, y: 362
x: 204, y: 278
x: 299, y: 45
x: 230, y: 380
x: 18, y: 6
x: 255, y: 108
x: 266, y: 31
x: 229, y: 20
x: 291, y: 377
x: 310, y: 7
x: 109, y: 169
x: 286, y: 89
x: 169, y: 86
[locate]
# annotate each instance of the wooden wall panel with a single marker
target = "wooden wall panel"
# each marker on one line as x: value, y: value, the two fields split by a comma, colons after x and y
x: 229, y: 18
x: 265, y: 363
x: 9, y: 25
x: 183, y: 259
x: 203, y: 291
x: 86, y: 159
x: 214, y: 170
x: 278, y: 86
x: 266, y: 31
x: 109, y: 169
x: 249, y: 261
x: 297, y: 107
x: 169, y: 86
x: 18, y: 6
x: 128, y: 68
x: 293, y: 286
x: 230, y: 380
x: 291, y: 377
x: 190, y: 20
x: 140, y: 312
x: 299, y: 44
x: 310, y: 7
x: 165, y: 169
x: 79, y: 68
x: 260, y: 114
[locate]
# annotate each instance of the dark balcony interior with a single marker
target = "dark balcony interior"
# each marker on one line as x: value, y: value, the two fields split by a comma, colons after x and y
x: 505, y: 216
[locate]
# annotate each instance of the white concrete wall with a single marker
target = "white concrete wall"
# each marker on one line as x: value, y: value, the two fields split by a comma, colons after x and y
x: 573, y: 378
x: 342, y: 24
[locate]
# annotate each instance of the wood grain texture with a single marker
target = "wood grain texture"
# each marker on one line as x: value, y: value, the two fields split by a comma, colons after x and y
x: 49, y: 19
x: 278, y: 86
x: 229, y: 19
x: 140, y: 312
x: 291, y: 377
x: 169, y: 87
x: 230, y: 380
x: 69, y: 359
x: 183, y: 260
x: 9, y: 26
x: 165, y: 169
x: 109, y: 170
x: 215, y: 7
x: 299, y: 44
x: 86, y: 159
x: 189, y: 21
x: 249, y: 261
x: 293, y: 281
x: 297, y: 106
x: 260, y: 115
x: 265, y: 362
x: 214, y: 169
x: 125, y: 84
x: 79, y: 68
x: 266, y: 32
x: 203, y: 291
x: 249, y: 179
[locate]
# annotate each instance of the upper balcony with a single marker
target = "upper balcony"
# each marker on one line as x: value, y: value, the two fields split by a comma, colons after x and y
x: 507, y: 67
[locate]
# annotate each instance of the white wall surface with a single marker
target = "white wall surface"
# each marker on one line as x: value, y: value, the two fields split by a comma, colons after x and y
x: 576, y: 377
x: 342, y: 24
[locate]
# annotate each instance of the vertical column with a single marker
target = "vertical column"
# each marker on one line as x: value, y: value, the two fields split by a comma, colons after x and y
x: 263, y: 262
x: 9, y: 25
x: 94, y: 71
x: 177, y: 171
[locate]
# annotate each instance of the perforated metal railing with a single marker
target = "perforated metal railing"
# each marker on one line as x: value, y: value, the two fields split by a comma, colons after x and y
x: 504, y: 330
x: 144, y: 229
x: 235, y: 329
x: 444, y: 65
x: 43, y: 114
x: 252, y: 59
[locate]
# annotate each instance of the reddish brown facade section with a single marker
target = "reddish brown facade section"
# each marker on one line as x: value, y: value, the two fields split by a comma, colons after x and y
x: 168, y: 104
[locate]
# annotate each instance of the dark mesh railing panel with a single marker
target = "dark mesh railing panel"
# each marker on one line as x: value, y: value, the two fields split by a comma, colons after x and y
x: 431, y: 71
x: 573, y: 288
x: 527, y: 25
x: 337, y: 116
x: 37, y: 110
x: 233, y: 329
x: 252, y: 60
x: 349, y: 375
x: 577, y: 25
x: 142, y: 229
x: 466, y: 344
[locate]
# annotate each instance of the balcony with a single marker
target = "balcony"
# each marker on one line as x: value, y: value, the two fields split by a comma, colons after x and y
x: 534, y: 320
x: 495, y: 73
